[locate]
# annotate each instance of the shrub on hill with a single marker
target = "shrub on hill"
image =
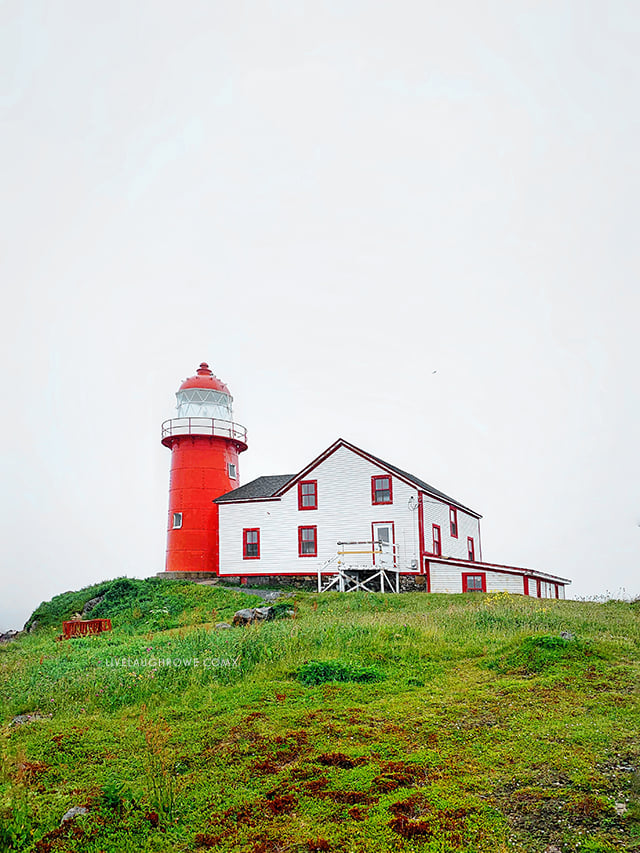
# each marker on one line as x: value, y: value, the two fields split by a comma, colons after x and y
x: 322, y: 672
x: 64, y: 605
x: 537, y: 654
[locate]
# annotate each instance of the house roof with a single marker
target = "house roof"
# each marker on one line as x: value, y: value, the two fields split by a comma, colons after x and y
x: 425, y: 487
x: 262, y: 487
x: 275, y: 486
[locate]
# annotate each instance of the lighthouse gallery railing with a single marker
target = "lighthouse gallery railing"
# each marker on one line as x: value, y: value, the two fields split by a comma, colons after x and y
x: 204, y: 426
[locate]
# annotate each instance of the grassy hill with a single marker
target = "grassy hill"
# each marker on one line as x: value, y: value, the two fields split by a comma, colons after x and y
x: 362, y: 723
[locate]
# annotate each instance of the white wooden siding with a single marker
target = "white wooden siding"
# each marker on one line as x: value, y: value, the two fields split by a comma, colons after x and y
x: 449, y: 578
x: 345, y: 513
x: 437, y: 512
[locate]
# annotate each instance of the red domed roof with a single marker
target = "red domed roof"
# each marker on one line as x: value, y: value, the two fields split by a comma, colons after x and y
x: 204, y: 378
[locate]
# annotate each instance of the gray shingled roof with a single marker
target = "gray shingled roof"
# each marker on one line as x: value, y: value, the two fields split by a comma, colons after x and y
x: 263, y: 487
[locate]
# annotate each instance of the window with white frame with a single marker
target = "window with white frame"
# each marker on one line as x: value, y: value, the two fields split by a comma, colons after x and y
x: 177, y: 520
x: 232, y: 471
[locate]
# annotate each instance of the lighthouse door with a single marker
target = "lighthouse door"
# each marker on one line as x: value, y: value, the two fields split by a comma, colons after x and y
x: 383, y: 546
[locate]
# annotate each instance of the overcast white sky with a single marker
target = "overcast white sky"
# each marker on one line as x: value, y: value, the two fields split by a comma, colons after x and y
x: 327, y: 201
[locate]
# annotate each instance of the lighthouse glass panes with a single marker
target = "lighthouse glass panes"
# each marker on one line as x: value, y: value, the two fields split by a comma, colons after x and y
x: 251, y: 544
x: 308, y: 494
x: 381, y: 490
x: 177, y: 520
x: 307, y: 542
x: 204, y: 403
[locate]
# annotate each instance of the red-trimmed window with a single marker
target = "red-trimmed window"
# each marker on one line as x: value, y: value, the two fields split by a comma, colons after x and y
x: 471, y: 548
x: 251, y: 543
x: 472, y: 582
x: 453, y: 521
x: 437, y: 540
x: 308, y: 494
x: 308, y: 541
x: 381, y: 490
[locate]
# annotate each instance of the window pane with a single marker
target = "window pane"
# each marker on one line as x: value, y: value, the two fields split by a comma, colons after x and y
x: 252, y: 543
x: 307, y: 540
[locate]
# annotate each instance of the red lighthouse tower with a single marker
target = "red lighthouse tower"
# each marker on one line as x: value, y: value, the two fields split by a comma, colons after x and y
x: 204, y: 443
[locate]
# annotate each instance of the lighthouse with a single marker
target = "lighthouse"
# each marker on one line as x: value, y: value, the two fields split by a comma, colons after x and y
x: 205, y: 443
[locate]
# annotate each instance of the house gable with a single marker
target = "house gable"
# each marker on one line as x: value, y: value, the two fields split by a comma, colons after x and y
x: 409, y: 479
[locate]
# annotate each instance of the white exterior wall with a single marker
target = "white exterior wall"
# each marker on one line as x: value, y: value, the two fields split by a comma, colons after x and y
x: 437, y: 512
x: 345, y: 513
x: 449, y: 578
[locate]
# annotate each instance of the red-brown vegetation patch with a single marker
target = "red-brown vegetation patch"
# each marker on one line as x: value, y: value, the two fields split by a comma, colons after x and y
x: 30, y: 771
x: 397, y: 774
x: 356, y: 813
x: 416, y: 818
x: 244, y: 815
x: 315, y: 785
x: 349, y: 797
x: 281, y: 804
x: 587, y: 808
x: 207, y: 840
x: 318, y: 846
x: 299, y: 736
x: 338, y: 759
x: 52, y: 840
x: 267, y: 765
x: 255, y: 715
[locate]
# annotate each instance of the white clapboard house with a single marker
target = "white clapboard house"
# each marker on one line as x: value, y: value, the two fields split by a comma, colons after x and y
x: 352, y: 521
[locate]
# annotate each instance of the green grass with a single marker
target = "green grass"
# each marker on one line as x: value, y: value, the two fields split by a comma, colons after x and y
x: 367, y: 722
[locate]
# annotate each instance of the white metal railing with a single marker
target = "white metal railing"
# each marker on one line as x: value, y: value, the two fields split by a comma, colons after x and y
x: 368, y: 552
x: 361, y: 565
x: 204, y: 426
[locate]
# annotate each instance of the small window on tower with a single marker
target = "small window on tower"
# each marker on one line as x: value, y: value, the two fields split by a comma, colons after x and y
x: 177, y: 520
x: 232, y: 471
